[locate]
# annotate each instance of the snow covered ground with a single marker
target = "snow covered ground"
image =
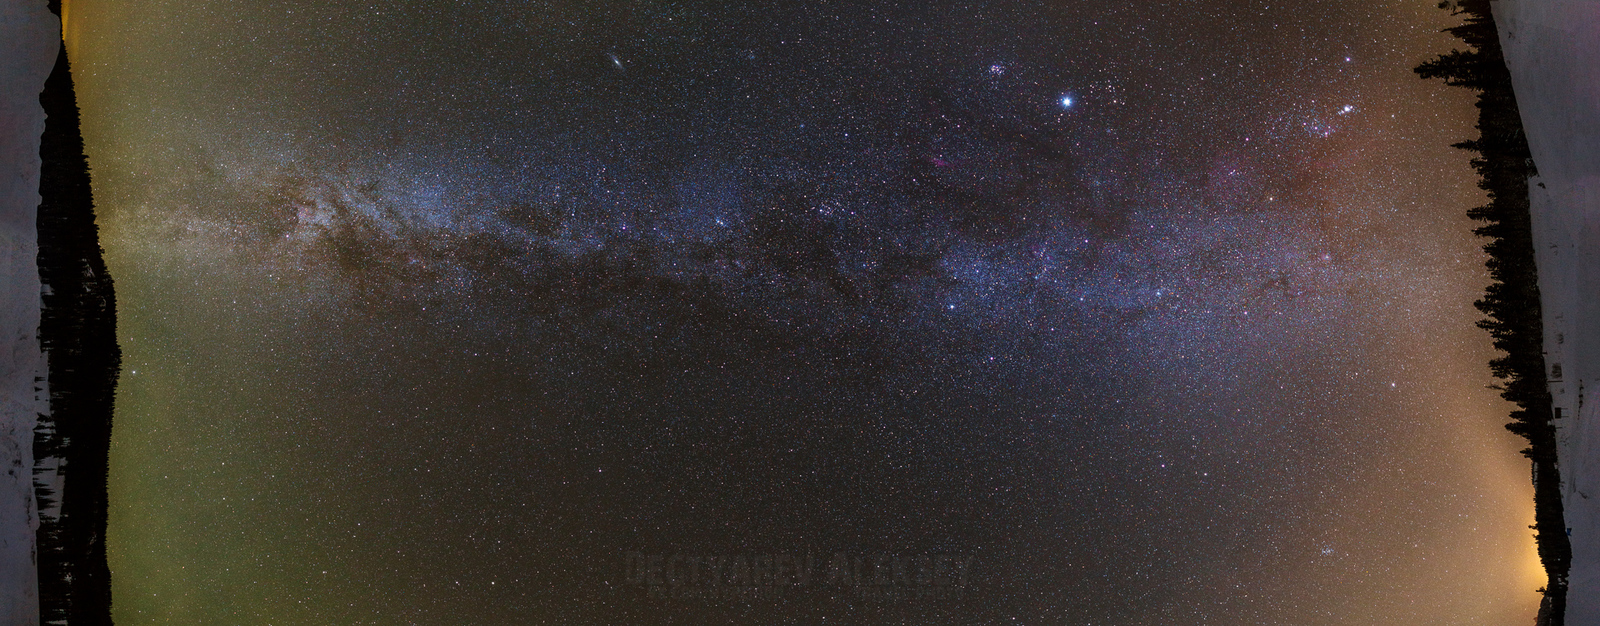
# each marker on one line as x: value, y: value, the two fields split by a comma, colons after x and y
x: 28, y: 44
x: 1553, y: 50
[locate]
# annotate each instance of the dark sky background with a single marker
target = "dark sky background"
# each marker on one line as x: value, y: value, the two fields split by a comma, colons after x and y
x: 438, y: 312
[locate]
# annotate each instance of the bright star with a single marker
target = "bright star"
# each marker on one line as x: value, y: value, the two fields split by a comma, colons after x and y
x: 1066, y: 102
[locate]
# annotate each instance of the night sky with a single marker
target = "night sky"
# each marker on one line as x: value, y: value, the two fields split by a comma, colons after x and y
x: 462, y: 312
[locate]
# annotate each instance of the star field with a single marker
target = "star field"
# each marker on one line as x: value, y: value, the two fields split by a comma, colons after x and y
x: 459, y: 312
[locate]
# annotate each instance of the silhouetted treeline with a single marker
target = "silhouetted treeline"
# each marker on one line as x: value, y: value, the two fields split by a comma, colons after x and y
x: 1512, y: 299
x: 77, y: 329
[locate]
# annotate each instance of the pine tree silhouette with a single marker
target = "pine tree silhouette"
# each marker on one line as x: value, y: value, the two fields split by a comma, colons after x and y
x: 77, y: 330
x: 1511, y: 301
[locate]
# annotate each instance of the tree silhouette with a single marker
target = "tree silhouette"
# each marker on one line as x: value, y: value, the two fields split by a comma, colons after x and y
x: 77, y: 330
x: 1511, y: 301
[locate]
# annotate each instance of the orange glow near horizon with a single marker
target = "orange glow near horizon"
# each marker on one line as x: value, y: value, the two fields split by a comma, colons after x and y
x: 69, y: 37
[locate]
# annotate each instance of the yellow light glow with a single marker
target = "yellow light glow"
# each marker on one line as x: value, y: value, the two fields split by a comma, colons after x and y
x: 1530, y: 571
x: 67, y: 38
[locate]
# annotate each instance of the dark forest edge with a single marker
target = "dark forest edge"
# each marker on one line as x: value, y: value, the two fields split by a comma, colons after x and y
x: 77, y: 330
x: 1511, y: 301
